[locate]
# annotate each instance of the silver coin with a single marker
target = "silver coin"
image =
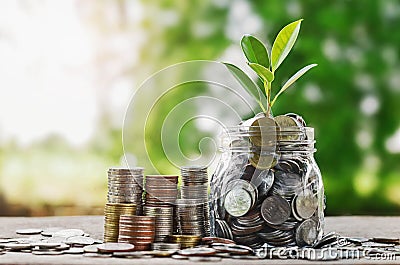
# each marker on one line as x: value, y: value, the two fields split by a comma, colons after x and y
x: 197, y: 251
x: 79, y: 240
x: 29, y: 231
x: 133, y: 254
x: 73, y: 251
x: 17, y: 246
x: 275, y: 210
x: 47, y: 253
x: 115, y: 247
x: 62, y: 246
x: 90, y: 249
x: 237, y: 202
x: 306, y: 233
x: 56, y: 239
x: 69, y: 233
x: 46, y: 245
x: 306, y: 204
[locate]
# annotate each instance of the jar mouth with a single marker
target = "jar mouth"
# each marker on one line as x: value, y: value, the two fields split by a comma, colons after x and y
x: 268, y: 139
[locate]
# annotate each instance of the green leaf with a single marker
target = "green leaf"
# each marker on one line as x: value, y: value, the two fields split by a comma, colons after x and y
x: 283, y: 43
x: 248, y: 84
x: 293, y: 79
x: 254, y: 50
x: 263, y: 72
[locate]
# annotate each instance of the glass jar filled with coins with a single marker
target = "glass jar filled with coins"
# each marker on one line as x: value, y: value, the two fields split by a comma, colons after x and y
x: 267, y: 188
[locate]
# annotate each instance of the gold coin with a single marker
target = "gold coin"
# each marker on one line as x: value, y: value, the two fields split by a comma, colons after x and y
x: 263, y: 161
x: 289, y: 129
x: 263, y: 132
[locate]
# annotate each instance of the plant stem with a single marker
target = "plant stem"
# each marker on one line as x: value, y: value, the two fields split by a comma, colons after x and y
x: 267, y: 87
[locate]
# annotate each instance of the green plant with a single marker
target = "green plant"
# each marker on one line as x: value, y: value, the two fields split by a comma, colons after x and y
x: 265, y: 66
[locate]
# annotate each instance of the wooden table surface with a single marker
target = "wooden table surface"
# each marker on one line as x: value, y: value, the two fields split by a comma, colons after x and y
x: 357, y: 226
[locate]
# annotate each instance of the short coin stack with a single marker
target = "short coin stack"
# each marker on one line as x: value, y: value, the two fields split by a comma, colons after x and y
x: 137, y: 230
x: 185, y: 241
x: 192, y: 208
x: 112, y: 213
x: 125, y: 185
x: 161, y: 193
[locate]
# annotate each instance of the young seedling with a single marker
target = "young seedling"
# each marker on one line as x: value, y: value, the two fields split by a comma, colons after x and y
x: 266, y: 63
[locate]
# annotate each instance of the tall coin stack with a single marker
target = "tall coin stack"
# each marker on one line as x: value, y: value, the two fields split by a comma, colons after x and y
x: 112, y: 213
x: 161, y: 194
x: 192, y: 208
x: 125, y: 185
x: 137, y: 230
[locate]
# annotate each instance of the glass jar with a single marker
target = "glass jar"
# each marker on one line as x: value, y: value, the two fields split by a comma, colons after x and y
x: 267, y: 187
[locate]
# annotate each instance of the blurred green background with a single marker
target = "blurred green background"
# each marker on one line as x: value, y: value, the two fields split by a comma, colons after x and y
x: 68, y: 70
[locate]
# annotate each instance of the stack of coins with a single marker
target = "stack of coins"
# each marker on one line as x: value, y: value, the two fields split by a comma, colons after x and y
x: 164, y: 220
x: 137, y: 230
x: 126, y: 186
x: 112, y: 213
x: 161, y: 190
x: 191, y: 218
x: 192, y: 208
x: 194, y: 182
x: 185, y: 241
x: 161, y: 193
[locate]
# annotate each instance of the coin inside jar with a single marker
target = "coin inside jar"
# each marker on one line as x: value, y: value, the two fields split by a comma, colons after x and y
x: 306, y: 204
x: 263, y: 132
x: 288, y: 127
x: 262, y: 161
x: 306, y: 233
x: 275, y: 210
x: 237, y: 202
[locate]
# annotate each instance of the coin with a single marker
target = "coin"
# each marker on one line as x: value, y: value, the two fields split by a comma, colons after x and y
x: 165, y: 246
x: 125, y: 185
x: 51, y: 230
x: 237, y: 202
x: 298, y: 118
x: 306, y: 204
x: 115, y: 247
x: 263, y: 132
x: 386, y: 240
x: 185, y: 241
x: 176, y: 256
x: 263, y: 161
x: 29, y: 231
x: 198, y: 251
x: 62, y: 246
x: 47, y: 253
x: 263, y: 180
x: 79, y: 240
x: 211, y: 240
x: 74, y: 251
x: 17, y: 246
x: 69, y: 233
x: 288, y: 128
x: 275, y: 210
x: 137, y: 230
x: 46, y: 245
x: 306, y: 233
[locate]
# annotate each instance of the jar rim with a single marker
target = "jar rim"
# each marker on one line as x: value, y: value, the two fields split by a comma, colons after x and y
x: 273, y: 138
